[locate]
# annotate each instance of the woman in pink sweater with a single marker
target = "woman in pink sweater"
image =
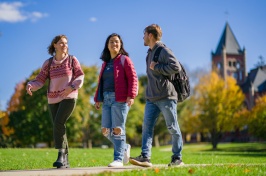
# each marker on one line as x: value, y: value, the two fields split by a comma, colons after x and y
x: 117, y: 88
x: 65, y: 78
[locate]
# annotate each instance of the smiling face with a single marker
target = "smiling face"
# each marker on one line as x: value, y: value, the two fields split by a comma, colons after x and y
x: 61, y: 46
x: 114, y: 45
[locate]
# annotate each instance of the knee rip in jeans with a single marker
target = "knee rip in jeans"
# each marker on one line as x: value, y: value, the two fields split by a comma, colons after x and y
x: 171, y: 129
x: 117, y: 131
x: 105, y: 131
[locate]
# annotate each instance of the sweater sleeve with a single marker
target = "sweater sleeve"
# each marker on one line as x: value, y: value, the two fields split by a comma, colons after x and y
x: 78, y: 76
x: 40, y: 79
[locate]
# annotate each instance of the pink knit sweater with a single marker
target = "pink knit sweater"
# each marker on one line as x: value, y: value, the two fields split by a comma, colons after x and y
x: 61, y: 76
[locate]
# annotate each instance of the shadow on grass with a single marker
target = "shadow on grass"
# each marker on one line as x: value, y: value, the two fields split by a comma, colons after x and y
x: 244, y: 154
x: 250, y: 147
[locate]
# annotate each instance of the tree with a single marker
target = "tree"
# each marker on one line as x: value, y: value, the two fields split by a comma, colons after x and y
x: 29, y: 116
x: 261, y: 62
x: 257, y: 118
x: 136, y: 114
x: 85, y: 123
x: 216, y: 102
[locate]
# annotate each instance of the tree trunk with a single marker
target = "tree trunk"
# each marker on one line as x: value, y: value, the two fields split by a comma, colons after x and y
x: 90, y: 144
x: 156, y: 141
x: 215, y: 136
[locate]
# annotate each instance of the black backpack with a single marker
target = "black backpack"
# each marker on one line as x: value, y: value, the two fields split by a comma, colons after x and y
x: 180, y: 80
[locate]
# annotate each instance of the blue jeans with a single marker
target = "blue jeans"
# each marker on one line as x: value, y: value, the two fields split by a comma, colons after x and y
x: 169, y: 111
x: 114, y: 115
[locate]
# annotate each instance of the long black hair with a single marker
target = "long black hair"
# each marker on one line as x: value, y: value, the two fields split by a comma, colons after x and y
x: 106, y: 56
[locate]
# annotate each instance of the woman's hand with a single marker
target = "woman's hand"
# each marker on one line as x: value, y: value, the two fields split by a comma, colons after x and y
x: 28, y: 89
x: 130, y: 101
x: 66, y: 92
x: 97, y: 105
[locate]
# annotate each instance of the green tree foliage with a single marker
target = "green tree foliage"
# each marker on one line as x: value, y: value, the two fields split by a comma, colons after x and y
x: 84, y: 124
x: 29, y: 116
x: 216, y: 103
x: 257, y: 118
x: 135, y: 115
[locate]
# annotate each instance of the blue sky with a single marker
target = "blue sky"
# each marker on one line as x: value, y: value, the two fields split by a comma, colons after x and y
x: 191, y: 28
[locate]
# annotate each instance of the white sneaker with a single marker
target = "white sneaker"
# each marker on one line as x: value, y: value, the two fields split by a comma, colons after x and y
x: 127, y: 154
x: 115, y: 164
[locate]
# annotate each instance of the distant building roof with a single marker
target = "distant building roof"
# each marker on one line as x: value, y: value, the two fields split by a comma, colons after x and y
x: 257, y: 78
x: 228, y: 40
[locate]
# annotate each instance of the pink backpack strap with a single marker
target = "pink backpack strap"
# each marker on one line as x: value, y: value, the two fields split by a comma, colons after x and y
x: 122, y: 59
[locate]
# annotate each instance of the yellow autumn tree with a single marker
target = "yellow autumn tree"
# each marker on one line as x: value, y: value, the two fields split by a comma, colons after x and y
x: 257, y: 118
x: 216, y: 102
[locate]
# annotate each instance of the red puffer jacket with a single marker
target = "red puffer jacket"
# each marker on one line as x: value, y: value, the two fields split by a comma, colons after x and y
x: 125, y: 77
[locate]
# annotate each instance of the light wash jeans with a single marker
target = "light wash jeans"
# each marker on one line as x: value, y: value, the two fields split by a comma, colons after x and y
x: 114, y: 115
x: 169, y: 111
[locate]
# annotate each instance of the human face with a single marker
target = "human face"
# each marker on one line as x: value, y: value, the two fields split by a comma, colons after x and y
x: 61, y: 47
x: 146, y: 39
x: 114, y: 45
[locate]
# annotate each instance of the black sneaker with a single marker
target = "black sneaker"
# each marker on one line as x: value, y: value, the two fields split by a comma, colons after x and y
x: 176, y: 162
x: 140, y: 161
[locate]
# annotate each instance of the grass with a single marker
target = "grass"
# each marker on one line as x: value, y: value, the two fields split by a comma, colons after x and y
x: 229, y: 159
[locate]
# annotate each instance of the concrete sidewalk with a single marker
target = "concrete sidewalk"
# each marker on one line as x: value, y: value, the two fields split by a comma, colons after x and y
x: 71, y: 171
x: 96, y: 170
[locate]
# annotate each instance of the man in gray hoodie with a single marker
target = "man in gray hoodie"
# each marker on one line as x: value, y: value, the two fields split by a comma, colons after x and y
x: 161, y: 97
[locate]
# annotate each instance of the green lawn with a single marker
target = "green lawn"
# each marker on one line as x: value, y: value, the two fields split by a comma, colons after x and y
x: 229, y: 159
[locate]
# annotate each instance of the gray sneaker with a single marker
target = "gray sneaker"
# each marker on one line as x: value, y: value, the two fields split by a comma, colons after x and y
x: 126, y: 154
x: 176, y: 162
x: 140, y: 161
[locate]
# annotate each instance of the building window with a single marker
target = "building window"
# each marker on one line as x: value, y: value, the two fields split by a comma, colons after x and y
x: 234, y: 64
x: 238, y: 65
x: 230, y: 63
x: 240, y: 76
x: 219, y: 66
x: 235, y: 75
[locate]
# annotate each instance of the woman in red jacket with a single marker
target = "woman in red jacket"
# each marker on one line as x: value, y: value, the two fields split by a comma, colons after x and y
x: 117, y: 88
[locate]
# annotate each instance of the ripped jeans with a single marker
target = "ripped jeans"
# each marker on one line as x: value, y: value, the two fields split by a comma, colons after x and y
x: 114, y: 116
x: 169, y: 111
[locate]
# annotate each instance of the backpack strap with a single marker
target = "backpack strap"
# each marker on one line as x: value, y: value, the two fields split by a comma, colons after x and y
x: 48, y: 75
x: 122, y: 59
x: 157, y: 53
x: 71, y: 64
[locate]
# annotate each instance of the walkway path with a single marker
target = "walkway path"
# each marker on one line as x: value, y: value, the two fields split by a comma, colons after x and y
x: 94, y: 170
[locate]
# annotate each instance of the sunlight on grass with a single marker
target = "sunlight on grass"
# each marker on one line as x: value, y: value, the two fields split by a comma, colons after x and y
x: 200, y: 159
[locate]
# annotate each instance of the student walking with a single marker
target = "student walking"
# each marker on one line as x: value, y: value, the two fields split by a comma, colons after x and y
x: 161, y: 97
x: 117, y: 88
x: 65, y: 78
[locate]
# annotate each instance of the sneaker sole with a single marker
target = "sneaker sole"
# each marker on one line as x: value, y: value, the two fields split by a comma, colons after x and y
x: 180, y: 164
x: 114, y: 166
x: 137, y: 163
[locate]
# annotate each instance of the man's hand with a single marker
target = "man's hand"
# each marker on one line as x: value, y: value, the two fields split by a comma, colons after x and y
x: 152, y: 65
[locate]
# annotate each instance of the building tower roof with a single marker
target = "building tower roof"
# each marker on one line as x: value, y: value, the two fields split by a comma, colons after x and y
x: 228, y: 41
